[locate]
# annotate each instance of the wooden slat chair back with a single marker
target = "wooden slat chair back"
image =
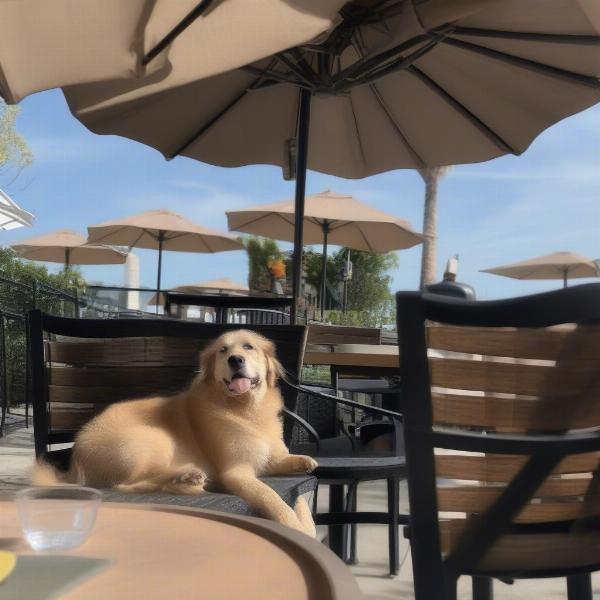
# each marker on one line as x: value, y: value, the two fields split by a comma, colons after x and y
x: 486, y: 374
x: 80, y: 366
x: 331, y: 335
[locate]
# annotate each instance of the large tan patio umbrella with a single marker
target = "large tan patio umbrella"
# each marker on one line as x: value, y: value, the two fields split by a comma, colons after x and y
x: 162, y: 230
x: 70, y: 248
x: 63, y: 42
x: 393, y: 84
x: 558, y: 265
x: 329, y: 218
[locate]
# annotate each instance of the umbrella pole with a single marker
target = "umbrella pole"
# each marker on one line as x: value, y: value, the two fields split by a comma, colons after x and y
x: 161, y: 237
x: 67, y: 259
x: 301, y: 158
x: 565, y: 277
x: 324, y: 268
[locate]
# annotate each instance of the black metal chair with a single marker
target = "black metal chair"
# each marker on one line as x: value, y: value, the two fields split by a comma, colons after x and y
x: 515, y: 402
x: 80, y: 365
x: 343, y: 468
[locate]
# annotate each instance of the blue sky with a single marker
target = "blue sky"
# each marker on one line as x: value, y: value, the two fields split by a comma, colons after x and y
x: 505, y: 210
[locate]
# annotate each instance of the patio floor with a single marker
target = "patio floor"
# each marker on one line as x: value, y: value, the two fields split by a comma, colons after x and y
x: 16, y: 455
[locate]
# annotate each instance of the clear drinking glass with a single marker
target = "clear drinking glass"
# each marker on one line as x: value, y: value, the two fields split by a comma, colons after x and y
x: 57, y: 518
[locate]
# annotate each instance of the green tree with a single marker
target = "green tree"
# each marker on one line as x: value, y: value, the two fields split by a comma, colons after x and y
x: 370, y: 300
x: 260, y: 252
x: 17, y: 280
x: 13, y: 147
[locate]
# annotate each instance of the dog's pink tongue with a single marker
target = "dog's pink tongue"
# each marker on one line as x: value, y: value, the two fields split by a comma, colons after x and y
x: 240, y: 385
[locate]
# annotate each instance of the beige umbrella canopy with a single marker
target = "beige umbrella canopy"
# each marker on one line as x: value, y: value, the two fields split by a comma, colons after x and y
x: 329, y: 218
x: 224, y: 285
x: 70, y: 248
x: 558, y: 265
x: 64, y: 42
x: 51, y: 44
x: 162, y: 230
x: 218, y: 286
x: 409, y: 85
x: 390, y: 84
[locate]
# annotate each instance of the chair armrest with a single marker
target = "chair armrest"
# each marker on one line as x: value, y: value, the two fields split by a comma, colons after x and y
x: 311, y: 430
x: 538, y: 445
x: 344, y: 401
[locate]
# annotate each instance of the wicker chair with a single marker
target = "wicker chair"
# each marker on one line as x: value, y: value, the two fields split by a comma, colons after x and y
x: 79, y: 365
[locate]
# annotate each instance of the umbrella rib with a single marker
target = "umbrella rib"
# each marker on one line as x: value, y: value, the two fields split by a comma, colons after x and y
x: 137, y: 240
x: 400, y: 64
x: 530, y: 65
x: 393, y: 121
x: 296, y: 69
x: 198, y: 134
x: 463, y: 110
x: 364, y: 237
x: 555, y: 38
x: 274, y: 75
x: 190, y: 18
x: 356, y: 128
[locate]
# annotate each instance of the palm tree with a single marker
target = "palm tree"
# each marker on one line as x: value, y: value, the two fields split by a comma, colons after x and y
x: 431, y: 176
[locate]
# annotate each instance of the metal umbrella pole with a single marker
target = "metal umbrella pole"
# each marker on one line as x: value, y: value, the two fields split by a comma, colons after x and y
x: 565, y: 277
x: 161, y: 237
x: 324, y: 268
x: 67, y: 258
x: 301, y: 159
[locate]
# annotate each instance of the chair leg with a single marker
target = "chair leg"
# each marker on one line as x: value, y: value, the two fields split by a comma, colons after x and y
x: 450, y: 588
x: 579, y: 587
x: 351, y: 505
x: 483, y: 588
x: 336, y: 532
x: 393, y: 491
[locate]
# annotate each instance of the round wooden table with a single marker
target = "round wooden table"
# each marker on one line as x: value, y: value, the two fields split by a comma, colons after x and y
x: 186, y: 553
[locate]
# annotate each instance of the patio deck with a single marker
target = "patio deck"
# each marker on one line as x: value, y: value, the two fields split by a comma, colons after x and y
x: 16, y: 455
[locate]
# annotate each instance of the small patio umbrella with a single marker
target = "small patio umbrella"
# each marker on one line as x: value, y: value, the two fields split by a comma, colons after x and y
x: 224, y: 285
x: 12, y: 215
x: 70, y: 248
x: 558, y: 265
x: 391, y: 84
x: 329, y: 218
x: 64, y: 42
x: 162, y: 230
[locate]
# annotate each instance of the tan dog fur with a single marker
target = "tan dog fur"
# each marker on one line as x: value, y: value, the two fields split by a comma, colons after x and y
x: 206, y: 432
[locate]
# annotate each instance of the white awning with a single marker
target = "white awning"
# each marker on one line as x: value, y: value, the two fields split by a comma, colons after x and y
x: 12, y: 215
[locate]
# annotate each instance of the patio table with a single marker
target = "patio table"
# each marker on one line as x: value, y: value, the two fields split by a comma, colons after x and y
x: 186, y: 553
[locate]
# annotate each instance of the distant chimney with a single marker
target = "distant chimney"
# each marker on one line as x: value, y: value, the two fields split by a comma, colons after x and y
x: 132, y: 280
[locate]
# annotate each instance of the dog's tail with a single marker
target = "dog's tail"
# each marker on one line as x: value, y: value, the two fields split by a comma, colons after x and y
x: 43, y: 473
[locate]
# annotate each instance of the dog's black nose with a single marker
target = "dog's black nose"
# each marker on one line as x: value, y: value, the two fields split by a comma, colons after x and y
x: 235, y: 361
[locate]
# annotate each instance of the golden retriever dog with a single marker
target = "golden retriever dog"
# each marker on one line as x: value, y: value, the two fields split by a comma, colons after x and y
x: 225, y: 428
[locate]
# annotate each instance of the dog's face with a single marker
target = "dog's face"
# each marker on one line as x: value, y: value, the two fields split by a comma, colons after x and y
x: 242, y: 362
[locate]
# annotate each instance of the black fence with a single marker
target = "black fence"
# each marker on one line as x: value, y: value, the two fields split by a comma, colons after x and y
x: 16, y: 300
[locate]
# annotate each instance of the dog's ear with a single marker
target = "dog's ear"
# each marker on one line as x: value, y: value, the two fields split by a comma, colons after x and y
x: 207, y: 363
x: 274, y: 367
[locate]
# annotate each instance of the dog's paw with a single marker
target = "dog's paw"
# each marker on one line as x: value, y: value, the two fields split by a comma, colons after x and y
x: 304, y: 464
x: 192, y: 477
